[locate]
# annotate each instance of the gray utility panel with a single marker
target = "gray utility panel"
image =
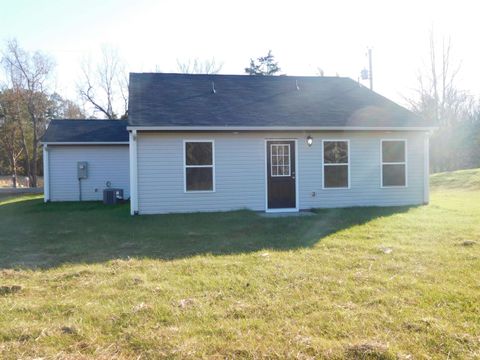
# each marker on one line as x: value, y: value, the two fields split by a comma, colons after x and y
x: 82, y: 170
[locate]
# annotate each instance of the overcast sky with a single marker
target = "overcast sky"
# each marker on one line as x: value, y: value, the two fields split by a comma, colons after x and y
x: 303, y: 35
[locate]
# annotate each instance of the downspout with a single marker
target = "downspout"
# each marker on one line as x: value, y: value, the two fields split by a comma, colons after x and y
x: 132, y: 147
x: 426, y: 169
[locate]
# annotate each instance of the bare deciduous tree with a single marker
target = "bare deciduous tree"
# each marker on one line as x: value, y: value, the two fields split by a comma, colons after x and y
x: 437, y: 96
x: 105, y: 84
x: 197, y: 66
x: 10, y: 139
x: 438, y: 99
x: 28, y: 75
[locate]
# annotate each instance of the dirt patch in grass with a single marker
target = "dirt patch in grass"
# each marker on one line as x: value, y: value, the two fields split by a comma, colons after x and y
x: 467, y: 243
x: 69, y: 330
x: 368, y: 351
x: 7, y: 290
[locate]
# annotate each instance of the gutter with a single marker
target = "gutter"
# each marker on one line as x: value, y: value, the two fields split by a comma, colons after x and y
x: 278, y: 128
x: 84, y: 143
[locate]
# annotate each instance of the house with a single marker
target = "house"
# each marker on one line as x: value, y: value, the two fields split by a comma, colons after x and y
x: 225, y: 142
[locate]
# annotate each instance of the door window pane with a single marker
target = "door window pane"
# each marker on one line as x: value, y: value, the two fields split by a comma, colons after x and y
x: 280, y: 159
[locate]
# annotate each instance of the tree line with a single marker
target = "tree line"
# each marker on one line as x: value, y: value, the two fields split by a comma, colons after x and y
x: 28, y: 103
x: 455, y: 144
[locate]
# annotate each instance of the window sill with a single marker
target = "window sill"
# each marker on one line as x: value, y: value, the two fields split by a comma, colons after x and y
x: 199, y: 191
x: 336, y: 188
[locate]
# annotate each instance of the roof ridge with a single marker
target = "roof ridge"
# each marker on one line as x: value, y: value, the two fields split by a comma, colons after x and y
x: 172, y: 74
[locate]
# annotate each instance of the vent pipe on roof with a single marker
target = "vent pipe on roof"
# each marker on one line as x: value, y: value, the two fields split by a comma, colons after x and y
x: 296, y: 85
x: 213, y: 87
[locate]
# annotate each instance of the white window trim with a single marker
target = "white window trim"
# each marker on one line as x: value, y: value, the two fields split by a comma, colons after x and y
x: 336, y: 164
x: 289, y: 160
x: 393, y: 163
x: 185, y: 166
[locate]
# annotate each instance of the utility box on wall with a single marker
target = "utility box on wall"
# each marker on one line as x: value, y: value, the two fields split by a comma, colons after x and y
x: 82, y: 170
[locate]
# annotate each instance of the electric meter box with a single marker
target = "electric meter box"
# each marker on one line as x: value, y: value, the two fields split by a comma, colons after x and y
x: 82, y: 170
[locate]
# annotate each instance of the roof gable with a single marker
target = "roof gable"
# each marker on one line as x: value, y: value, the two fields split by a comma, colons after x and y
x: 185, y: 100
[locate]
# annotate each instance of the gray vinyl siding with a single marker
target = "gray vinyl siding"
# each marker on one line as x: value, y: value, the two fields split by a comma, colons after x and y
x: 105, y: 163
x: 240, y: 172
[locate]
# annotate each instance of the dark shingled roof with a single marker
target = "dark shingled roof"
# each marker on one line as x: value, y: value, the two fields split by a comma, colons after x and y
x: 158, y: 99
x: 86, y: 131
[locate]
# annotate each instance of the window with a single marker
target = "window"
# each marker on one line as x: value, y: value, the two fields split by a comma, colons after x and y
x: 335, y: 164
x: 394, y: 165
x: 280, y: 159
x: 199, y: 166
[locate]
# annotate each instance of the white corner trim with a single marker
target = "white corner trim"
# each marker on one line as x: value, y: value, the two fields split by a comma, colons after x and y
x: 399, y: 163
x: 279, y: 128
x: 426, y: 174
x: 46, y: 174
x: 133, y: 172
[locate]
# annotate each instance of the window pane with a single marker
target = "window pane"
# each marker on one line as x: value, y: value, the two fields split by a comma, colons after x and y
x: 274, y: 160
x: 198, y: 153
x: 394, y: 175
x: 274, y: 170
x: 393, y: 151
x: 336, y: 176
x: 199, y: 179
x: 335, y: 152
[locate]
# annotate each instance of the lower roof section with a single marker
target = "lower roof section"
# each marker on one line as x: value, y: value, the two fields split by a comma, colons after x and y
x: 86, y: 132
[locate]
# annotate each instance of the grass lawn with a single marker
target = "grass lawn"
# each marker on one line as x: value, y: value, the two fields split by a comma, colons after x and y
x: 84, y: 281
